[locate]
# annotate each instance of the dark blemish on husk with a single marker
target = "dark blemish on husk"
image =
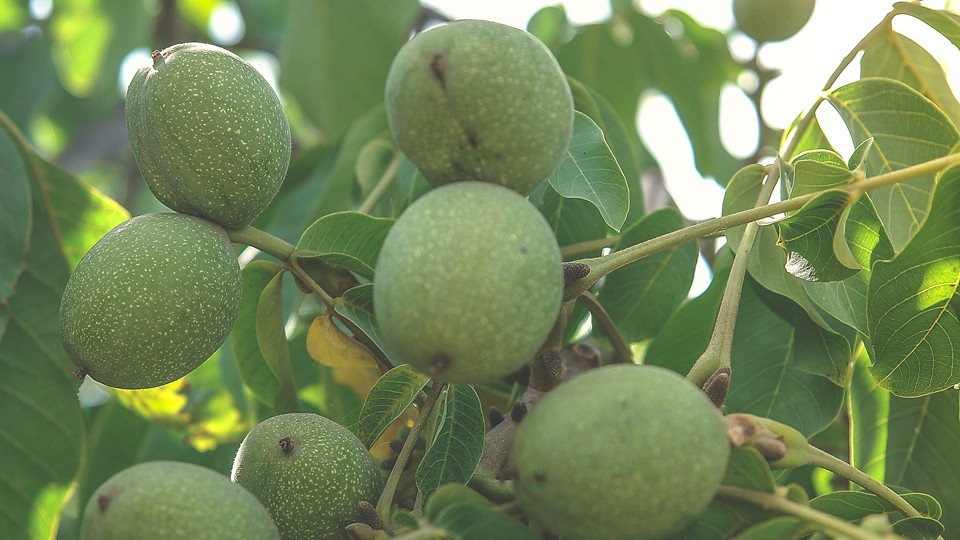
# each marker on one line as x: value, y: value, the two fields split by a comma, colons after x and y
x: 286, y: 445
x: 439, y: 364
x: 438, y: 66
x: 103, y: 502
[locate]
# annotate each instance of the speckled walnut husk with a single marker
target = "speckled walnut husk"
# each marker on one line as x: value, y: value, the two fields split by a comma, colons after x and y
x: 153, y: 299
x: 309, y: 472
x: 208, y: 132
x: 478, y: 100
x: 468, y: 283
x: 620, y: 452
x: 174, y: 501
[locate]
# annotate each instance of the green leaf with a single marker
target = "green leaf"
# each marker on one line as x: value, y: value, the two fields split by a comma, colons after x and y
x: 349, y: 240
x: 907, y: 442
x: 866, y: 239
x: 335, y: 56
x: 404, y: 519
x: 913, y: 303
x: 84, y: 213
x: 845, y: 300
x: 817, y: 350
x: 13, y: 15
x: 768, y: 259
x: 868, y: 408
x: 91, y: 40
x: 408, y: 186
x: 357, y: 305
x: 771, y: 383
x: 589, y: 171
x: 15, y: 216
x: 943, y: 21
x: 115, y: 437
x: 373, y: 161
x: 747, y: 469
x: 598, y: 59
x: 817, y: 170
x: 855, y: 230
x: 26, y: 93
x: 907, y: 129
x: 778, y: 527
x: 686, y: 334
x: 809, y: 236
x: 572, y: 220
x: 549, y: 24
x: 471, y: 522
x: 394, y: 392
x: 896, y: 56
x: 254, y: 371
x: 812, y: 138
x: 42, y: 440
x: 919, y: 528
x: 449, y: 495
x: 453, y: 450
x: 723, y: 518
x: 642, y: 296
x: 628, y: 149
x: 918, y: 431
x: 197, y: 12
x: 273, y: 344
x: 336, y: 181
x: 854, y: 505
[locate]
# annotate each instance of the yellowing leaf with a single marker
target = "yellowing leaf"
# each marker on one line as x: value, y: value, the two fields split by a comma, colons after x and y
x: 216, y: 421
x: 328, y: 345
x: 359, y: 378
x: 163, y: 404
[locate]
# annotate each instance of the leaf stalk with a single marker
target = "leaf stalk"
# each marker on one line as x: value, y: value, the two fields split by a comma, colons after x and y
x: 390, y: 487
x: 823, y: 522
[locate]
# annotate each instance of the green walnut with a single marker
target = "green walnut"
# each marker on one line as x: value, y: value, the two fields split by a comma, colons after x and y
x: 477, y: 100
x: 468, y: 283
x: 309, y: 472
x: 153, y: 299
x: 620, y: 452
x: 208, y: 133
x: 174, y: 501
x: 771, y: 20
